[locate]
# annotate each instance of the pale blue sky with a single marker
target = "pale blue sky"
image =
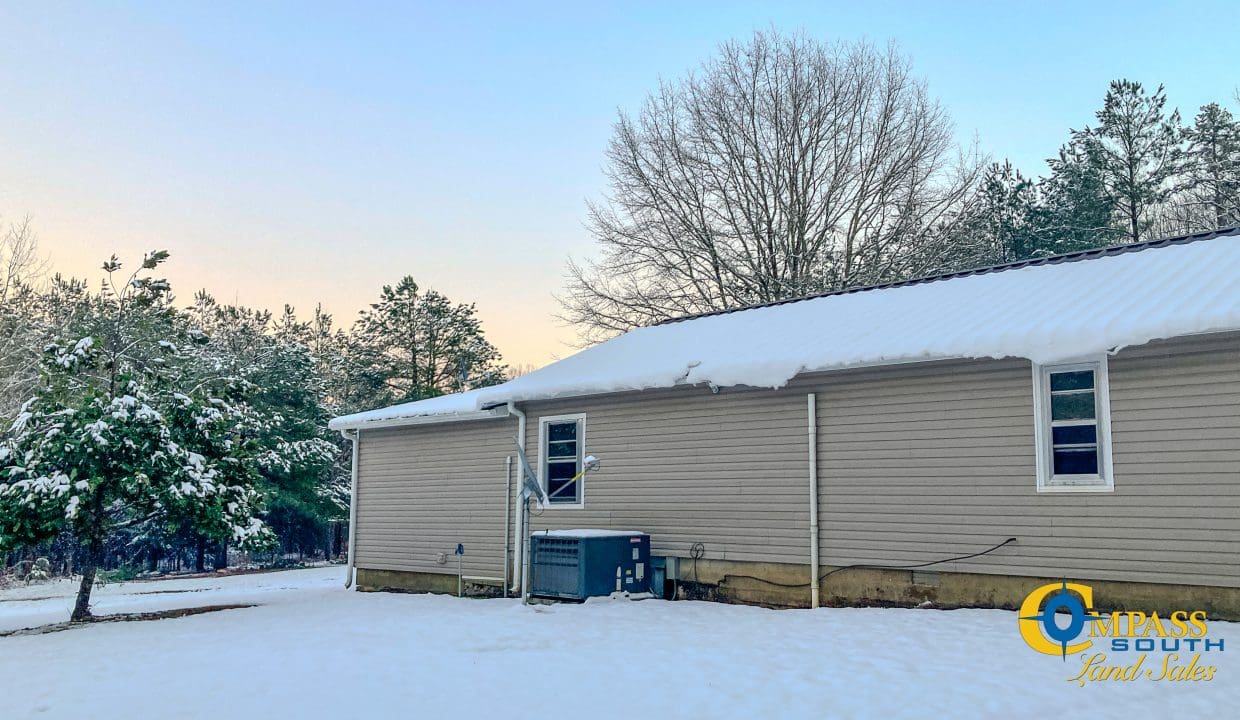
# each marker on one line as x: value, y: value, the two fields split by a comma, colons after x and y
x: 303, y: 152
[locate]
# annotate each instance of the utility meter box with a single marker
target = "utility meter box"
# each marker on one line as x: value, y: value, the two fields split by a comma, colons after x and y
x: 577, y: 564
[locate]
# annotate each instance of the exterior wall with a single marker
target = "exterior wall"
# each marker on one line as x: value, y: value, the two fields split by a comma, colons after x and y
x: 423, y: 489
x: 727, y: 470
x: 921, y: 462
x: 924, y: 461
x: 916, y: 463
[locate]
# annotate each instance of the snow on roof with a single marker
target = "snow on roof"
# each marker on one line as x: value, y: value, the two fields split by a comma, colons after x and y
x: 1046, y: 310
x: 462, y: 404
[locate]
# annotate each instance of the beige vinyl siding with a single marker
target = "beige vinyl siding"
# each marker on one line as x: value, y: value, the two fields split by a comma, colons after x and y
x: 917, y: 462
x: 688, y: 466
x: 922, y: 462
x: 423, y: 489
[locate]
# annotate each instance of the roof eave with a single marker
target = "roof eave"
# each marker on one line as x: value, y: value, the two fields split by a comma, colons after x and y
x: 342, y: 424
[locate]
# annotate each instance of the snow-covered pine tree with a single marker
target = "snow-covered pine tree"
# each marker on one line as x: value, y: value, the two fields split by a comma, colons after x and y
x: 127, y: 427
x: 330, y: 347
x: 302, y: 457
x: 297, y: 454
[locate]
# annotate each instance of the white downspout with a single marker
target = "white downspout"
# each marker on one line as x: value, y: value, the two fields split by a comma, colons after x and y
x: 518, y: 535
x: 355, y: 436
x: 507, y: 519
x: 812, y: 401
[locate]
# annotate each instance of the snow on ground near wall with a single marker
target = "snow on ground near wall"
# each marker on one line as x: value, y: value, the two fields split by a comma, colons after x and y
x: 1044, y: 313
x: 314, y: 650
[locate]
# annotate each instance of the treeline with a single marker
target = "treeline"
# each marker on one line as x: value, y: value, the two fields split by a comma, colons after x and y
x: 145, y: 432
x: 786, y: 166
x: 1140, y: 172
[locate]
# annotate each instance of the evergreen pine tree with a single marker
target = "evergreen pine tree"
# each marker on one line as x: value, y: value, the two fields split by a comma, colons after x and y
x: 128, y: 428
x: 1210, y: 181
x: 1003, y: 215
x: 412, y: 345
x: 1074, y: 210
x: 297, y: 454
x: 1137, y: 147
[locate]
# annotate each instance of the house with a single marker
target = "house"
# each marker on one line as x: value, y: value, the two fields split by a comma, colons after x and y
x: 885, y: 441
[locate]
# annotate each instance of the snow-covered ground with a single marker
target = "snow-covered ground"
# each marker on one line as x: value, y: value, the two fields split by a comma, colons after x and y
x: 312, y: 649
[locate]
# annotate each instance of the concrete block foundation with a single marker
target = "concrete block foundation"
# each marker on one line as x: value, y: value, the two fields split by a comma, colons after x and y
x: 784, y: 585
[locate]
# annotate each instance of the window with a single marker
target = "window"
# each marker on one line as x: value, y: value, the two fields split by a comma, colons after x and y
x: 1073, y: 431
x: 561, y: 442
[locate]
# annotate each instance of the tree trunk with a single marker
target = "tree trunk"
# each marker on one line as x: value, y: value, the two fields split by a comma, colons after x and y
x: 81, y: 609
x: 200, y: 555
x: 221, y: 556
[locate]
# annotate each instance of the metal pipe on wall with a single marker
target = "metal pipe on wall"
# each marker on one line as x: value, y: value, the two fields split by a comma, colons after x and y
x: 812, y: 402
x: 518, y: 564
x: 507, y: 517
x: 525, y: 544
x: 356, y: 437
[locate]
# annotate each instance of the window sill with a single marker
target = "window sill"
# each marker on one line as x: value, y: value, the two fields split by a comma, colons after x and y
x: 1087, y: 487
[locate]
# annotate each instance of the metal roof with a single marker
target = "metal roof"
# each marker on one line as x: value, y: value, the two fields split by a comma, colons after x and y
x: 1077, y: 256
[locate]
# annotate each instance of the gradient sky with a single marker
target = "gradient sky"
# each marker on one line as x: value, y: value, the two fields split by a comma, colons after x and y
x: 309, y: 153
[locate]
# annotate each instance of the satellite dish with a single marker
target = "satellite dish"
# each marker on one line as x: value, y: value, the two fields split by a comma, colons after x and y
x: 530, y: 487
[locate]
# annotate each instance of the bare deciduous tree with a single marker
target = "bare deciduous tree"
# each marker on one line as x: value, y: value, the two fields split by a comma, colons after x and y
x: 20, y: 267
x: 784, y: 167
x: 20, y: 262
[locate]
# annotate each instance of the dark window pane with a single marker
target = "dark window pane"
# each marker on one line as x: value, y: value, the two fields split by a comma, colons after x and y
x: 561, y: 470
x: 1075, y: 435
x: 560, y: 491
x: 560, y: 484
x: 562, y: 431
x: 1077, y: 380
x: 1077, y: 406
x: 1076, y: 462
x: 559, y: 487
x: 562, y: 449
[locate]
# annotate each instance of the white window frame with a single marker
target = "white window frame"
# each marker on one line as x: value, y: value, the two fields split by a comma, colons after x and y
x: 1104, y: 481
x: 543, y: 422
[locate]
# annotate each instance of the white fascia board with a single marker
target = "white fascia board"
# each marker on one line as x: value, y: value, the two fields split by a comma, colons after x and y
x: 494, y: 413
